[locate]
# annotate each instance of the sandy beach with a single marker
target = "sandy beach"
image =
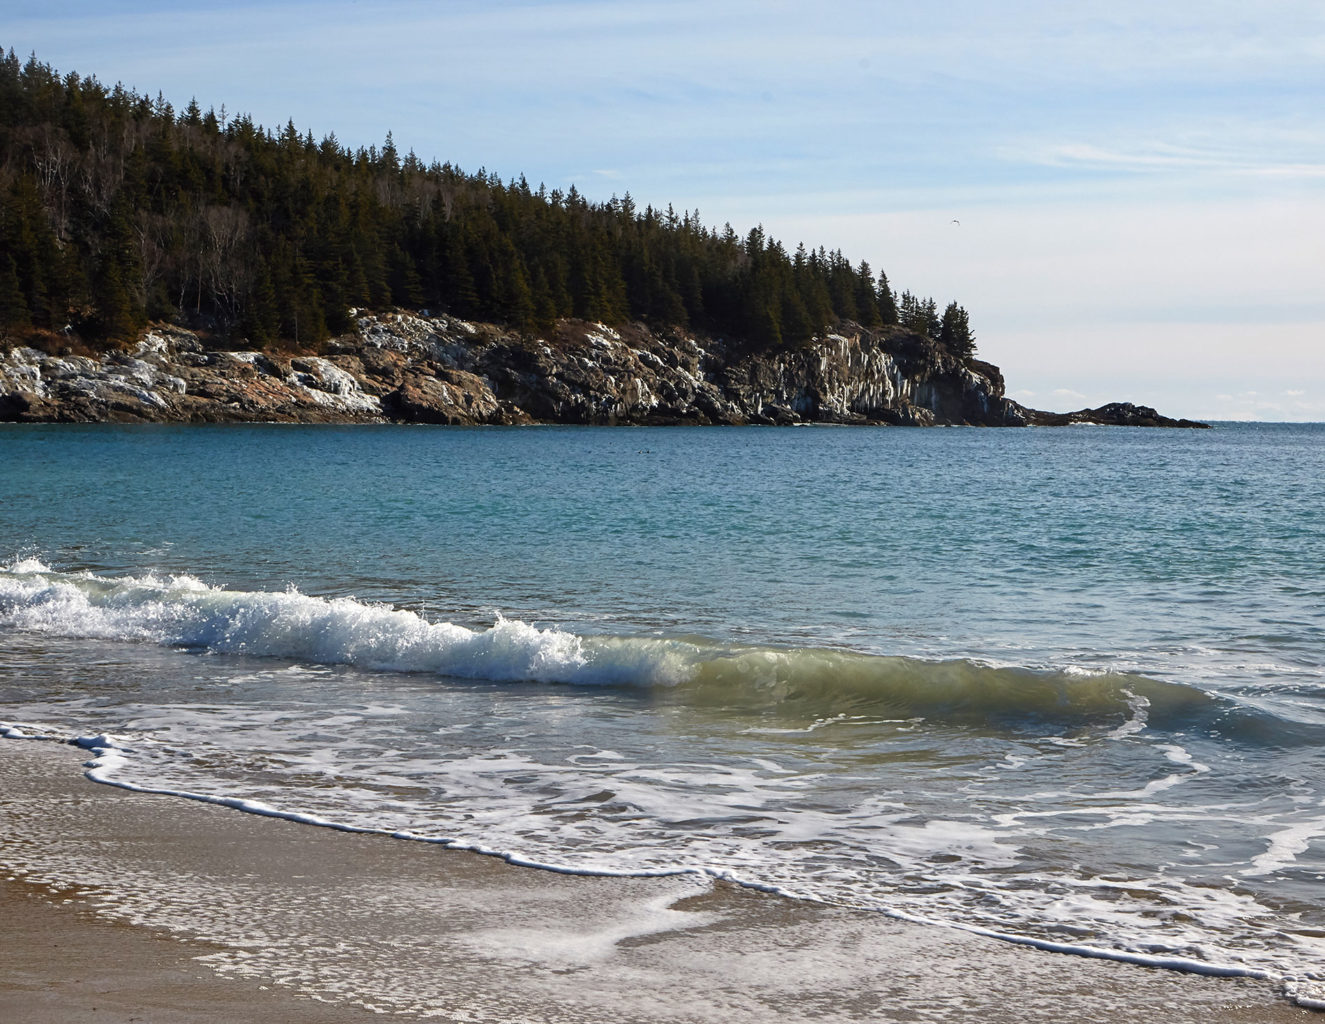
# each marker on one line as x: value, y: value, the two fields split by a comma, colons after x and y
x: 128, y: 907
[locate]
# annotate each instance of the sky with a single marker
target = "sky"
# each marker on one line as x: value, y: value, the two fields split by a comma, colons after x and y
x: 1128, y: 198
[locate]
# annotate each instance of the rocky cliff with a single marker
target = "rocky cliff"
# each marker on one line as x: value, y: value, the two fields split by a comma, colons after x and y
x: 406, y: 368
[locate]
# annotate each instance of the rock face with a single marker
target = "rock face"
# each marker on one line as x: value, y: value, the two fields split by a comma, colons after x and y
x: 170, y: 377
x: 420, y: 369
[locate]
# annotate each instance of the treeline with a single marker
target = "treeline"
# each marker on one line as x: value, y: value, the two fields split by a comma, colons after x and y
x: 116, y: 209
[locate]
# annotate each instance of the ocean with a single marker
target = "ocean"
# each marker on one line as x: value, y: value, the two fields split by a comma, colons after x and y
x: 1061, y: 686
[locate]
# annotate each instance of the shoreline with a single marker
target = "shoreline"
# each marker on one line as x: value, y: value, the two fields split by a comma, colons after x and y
x: 406, y: 367
x: 131, y: 902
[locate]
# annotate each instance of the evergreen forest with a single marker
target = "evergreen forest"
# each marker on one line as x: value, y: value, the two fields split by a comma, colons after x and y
x: 117, y: 210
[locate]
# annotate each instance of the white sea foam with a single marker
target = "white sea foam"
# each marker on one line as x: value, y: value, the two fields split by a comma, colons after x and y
x: 1140, y: 708
x: 1083, y: 911
x: 1284, y: 847
x: 24, y: 565
x: 1084, y: 672
x: 1183, y: 756
x: 798, y: 796
x: 1306, y: 992
x: 529, y: 943
x: 184, y: 611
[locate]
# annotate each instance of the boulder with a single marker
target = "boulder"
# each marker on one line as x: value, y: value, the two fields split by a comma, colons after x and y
x: 432, y: 394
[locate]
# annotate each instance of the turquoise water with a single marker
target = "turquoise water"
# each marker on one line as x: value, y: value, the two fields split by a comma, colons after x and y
x: 1065, y: 685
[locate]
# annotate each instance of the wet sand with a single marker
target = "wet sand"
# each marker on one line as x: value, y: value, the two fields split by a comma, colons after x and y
x: 123, y: 907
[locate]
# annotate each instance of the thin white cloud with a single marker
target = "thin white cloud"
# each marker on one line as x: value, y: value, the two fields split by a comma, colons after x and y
x: 1253, y: 405
x: 1196, y: 370
x: 1163, y: 157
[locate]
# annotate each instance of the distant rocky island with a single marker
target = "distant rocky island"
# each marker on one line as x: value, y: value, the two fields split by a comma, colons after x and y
x: 406, y: 367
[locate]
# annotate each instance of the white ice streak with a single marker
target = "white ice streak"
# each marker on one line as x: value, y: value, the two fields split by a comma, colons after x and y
x: 111, y: 376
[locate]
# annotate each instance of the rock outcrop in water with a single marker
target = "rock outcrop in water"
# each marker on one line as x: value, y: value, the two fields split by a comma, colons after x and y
x: 1115, y: 414
x: 406, y: 368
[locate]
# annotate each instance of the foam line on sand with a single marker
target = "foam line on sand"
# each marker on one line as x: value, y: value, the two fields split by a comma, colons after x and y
x: 152, y: 907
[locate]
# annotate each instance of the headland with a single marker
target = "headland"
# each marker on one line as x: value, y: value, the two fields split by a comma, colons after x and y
x: 415, y: 368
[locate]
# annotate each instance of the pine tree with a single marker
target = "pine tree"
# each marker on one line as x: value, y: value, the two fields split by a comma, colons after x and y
x: 261, y: 320
x: 796, y: 326
x: 403, y: 278
x: 867, y: 303
x: 115, y: 318
x: 887, y: 301
x: 13, y: 307
x: 114, y: 207
x: 118, y: 316
x: 955, y: 332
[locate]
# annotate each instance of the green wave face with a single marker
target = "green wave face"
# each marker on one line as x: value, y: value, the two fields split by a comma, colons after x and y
x: 819, y: 683
x: 788, y: 683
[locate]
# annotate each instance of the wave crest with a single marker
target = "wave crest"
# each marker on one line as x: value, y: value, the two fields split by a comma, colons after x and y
x: 182, y: 611
x: 803, y: 683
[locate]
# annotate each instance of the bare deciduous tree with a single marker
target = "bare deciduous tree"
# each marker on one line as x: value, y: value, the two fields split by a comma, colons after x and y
x: 55, y: 160
x: 224, y: 229
x: 152, y: 233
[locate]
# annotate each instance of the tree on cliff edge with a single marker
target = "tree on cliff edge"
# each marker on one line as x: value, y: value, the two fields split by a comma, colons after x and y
x: 955, y: 332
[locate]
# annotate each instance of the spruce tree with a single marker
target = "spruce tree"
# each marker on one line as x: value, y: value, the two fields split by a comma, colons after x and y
x: 887, y: 301
x: 14, y: 312
x: 114, y: 207
x: 867, y: 303
x: 955, y: 332
x: 261, y: 319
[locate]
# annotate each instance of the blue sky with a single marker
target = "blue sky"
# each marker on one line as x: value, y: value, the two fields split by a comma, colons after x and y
x: 1140, y: 190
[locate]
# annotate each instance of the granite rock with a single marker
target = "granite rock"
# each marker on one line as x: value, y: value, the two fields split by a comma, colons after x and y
x: 414, y: 368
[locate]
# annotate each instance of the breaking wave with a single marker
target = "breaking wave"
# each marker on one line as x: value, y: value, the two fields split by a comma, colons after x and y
x: 182, y: 611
